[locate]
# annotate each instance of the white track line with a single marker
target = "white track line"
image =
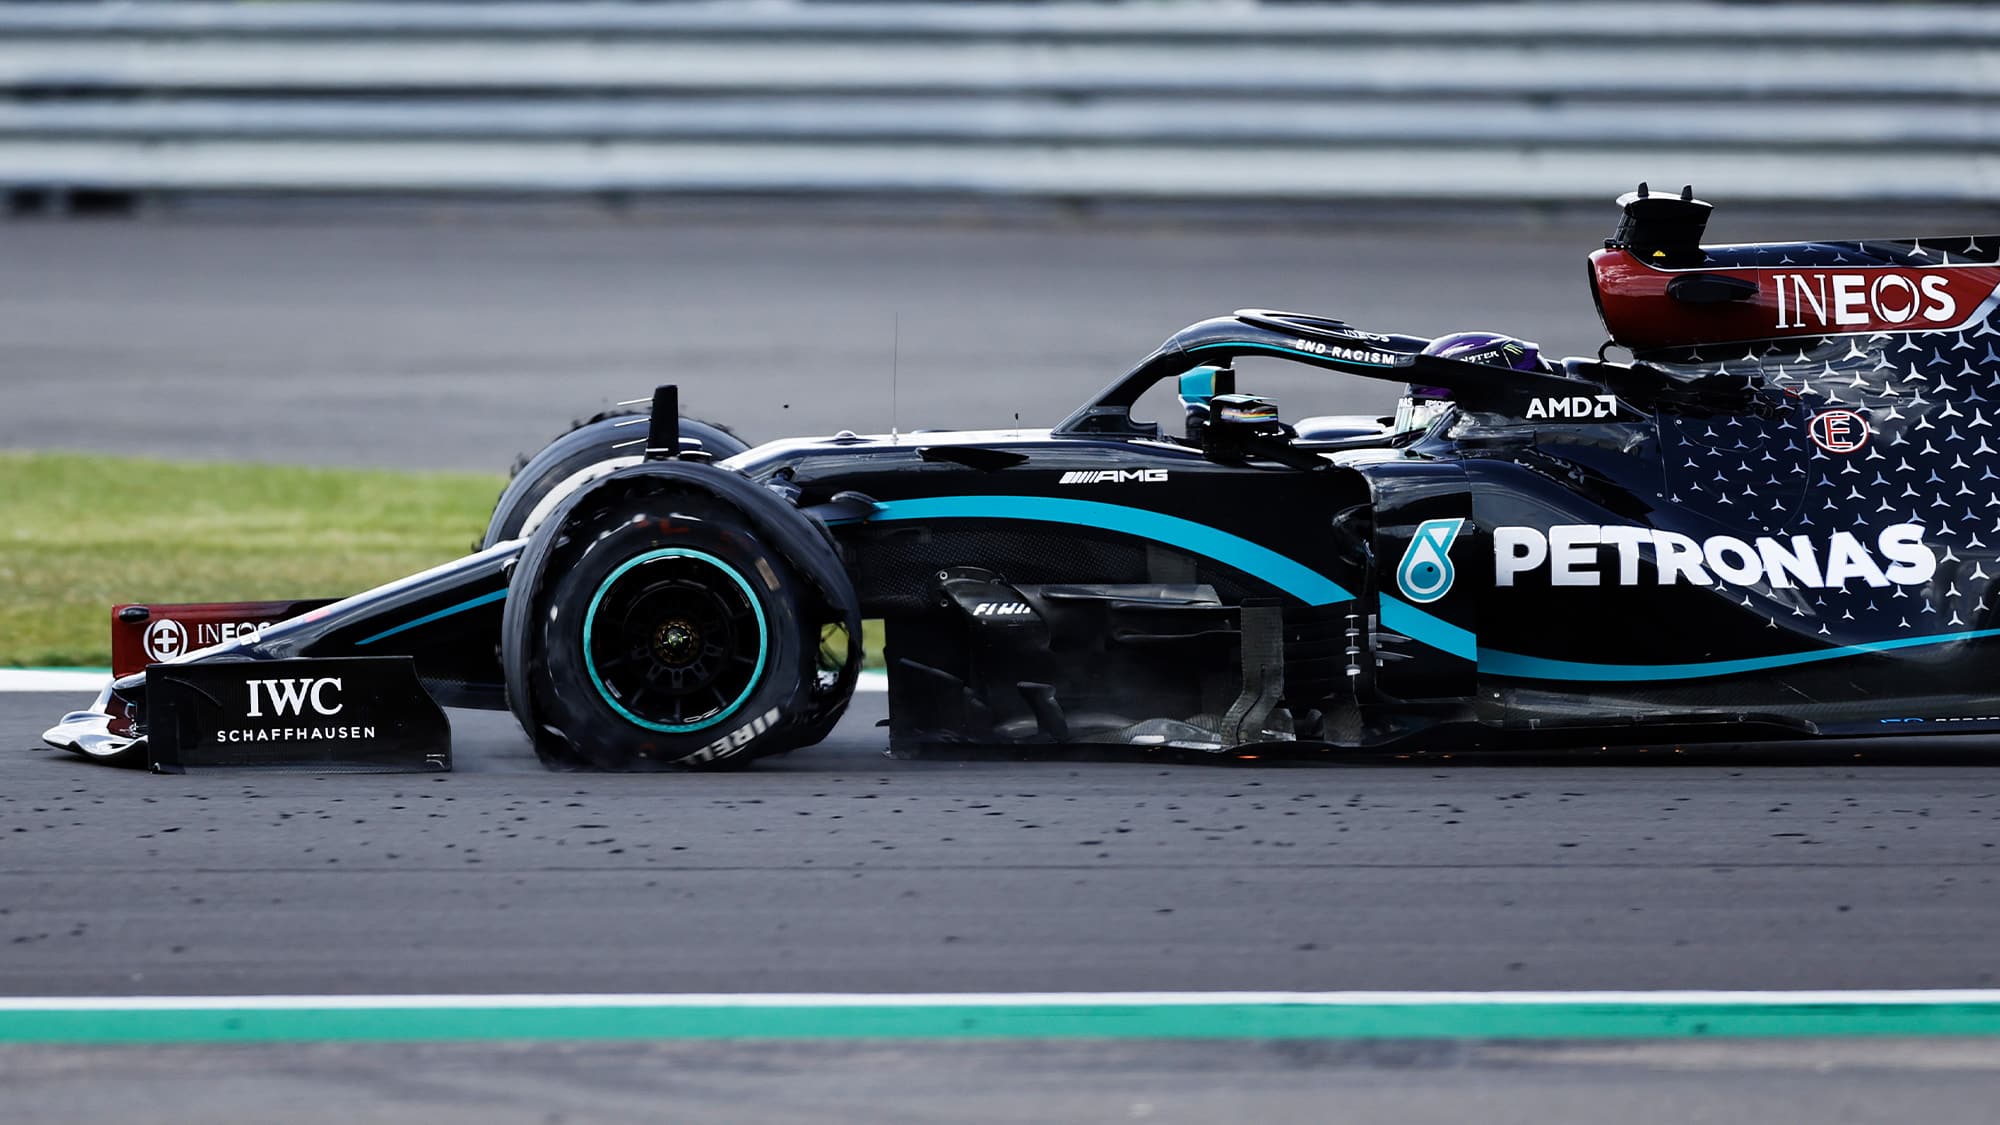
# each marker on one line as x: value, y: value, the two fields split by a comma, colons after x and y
x: 83, y: 680
x: 996, y: 1000
x: 90, y: 680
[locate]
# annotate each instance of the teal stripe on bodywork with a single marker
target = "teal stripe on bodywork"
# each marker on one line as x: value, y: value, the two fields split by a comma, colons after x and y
x: 1539, y: 668
x: 1239, y: 345
x: 1294, y: 578
x: 474, y: 603
x: 1401, y: 617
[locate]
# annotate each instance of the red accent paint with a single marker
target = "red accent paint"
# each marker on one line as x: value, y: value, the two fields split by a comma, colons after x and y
x: 1791, y: 301
x: 175, y: 630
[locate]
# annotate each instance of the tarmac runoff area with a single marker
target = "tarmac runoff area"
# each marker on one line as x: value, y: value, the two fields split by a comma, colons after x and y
x: 882, y: 940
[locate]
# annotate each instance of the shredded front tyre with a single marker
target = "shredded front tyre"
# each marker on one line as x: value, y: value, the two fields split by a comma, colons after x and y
x: 667, y: 629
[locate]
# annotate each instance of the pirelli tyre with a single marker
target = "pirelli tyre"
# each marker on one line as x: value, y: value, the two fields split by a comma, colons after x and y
x: 590, y: 450
x: 665, y: 628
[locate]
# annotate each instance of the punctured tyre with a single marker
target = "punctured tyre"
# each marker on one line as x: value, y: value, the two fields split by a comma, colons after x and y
x: 668, y: 632
x: 589, y: 450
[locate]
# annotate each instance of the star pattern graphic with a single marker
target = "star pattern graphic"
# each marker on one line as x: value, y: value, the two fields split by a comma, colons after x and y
x: 1931, y: 401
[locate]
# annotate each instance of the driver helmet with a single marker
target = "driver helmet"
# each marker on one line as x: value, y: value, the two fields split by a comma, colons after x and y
x: 1421, y: 405
x: 1488, y: 348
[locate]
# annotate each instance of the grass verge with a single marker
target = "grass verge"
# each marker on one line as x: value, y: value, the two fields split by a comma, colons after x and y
x: 84, y: 531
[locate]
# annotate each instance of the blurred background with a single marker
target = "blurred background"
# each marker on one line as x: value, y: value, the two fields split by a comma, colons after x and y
x: 429, y: 234
x: 267, y: 267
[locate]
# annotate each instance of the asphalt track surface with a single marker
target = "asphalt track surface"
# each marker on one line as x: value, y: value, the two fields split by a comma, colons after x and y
x: 839, y: 869
x: 409, y: 342
x: 1281, y: 1082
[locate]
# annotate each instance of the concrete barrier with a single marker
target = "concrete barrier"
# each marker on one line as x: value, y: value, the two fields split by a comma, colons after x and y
x: 1199, y: 100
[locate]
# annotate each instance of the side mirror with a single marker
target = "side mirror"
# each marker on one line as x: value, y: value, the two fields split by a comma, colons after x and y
x: 1252, y: 411
x: 1242, y: 425
x: 1198, y: 386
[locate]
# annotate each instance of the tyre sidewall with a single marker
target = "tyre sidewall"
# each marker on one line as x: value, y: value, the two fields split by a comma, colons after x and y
x: 585, y: 453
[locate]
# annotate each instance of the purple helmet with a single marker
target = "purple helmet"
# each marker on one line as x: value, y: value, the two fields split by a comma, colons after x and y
x: 1488, y: 348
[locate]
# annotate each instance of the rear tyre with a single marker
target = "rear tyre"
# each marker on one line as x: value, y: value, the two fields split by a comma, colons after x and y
x: 588, y: 451
x: 668, y: 633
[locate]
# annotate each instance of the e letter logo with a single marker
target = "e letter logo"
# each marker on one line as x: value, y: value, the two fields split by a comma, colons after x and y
x: 1838, y: 431
x: 1425, y: 574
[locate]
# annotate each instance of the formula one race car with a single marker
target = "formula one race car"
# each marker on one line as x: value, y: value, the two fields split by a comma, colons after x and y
x: 1771, y: 524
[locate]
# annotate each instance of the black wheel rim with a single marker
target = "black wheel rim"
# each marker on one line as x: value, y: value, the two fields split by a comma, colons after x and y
x: 675, y: 640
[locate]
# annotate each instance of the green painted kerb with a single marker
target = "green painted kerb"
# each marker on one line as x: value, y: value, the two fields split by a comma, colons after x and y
x: 1051, y: 1021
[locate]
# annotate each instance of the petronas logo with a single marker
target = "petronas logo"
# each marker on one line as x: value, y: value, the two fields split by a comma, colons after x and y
x: 1425, y: 574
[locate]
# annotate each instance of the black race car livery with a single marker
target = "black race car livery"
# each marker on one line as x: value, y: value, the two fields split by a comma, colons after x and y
x: 1780, y: 519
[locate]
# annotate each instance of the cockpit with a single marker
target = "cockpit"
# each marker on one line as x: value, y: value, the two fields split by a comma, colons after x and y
x: 1224, y: 376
